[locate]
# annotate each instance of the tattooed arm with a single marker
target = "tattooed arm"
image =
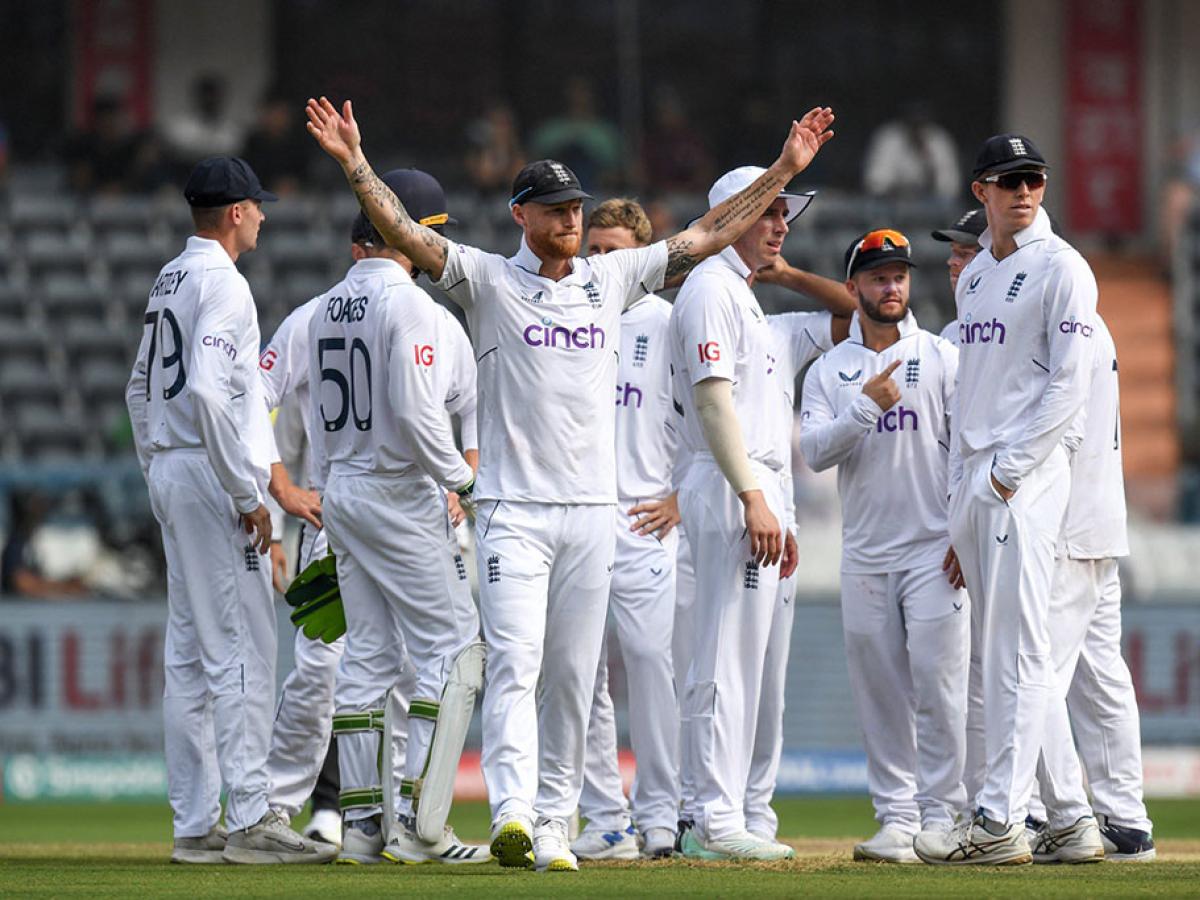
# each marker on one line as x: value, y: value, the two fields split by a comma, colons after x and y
x: 338, y: 135
x: 726, y: 222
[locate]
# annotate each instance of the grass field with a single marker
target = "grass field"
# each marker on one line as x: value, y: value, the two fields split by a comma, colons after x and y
x: 122, y: 851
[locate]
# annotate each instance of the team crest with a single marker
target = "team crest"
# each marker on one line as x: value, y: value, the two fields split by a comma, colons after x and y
x: 593, y: 294
x: 1015, y: 287
x: 912, y: 372
x: 641, y: 344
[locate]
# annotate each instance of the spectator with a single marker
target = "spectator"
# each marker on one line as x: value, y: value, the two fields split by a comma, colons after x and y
x: 584, y: 142
x: 207, y: 129
x: 273, y: 148
x: 109, y: 157
x: 494, y: 155
x: 674, y: 155
x: 1179, y: 194
x: 912, y: 156
x: 20, y: 573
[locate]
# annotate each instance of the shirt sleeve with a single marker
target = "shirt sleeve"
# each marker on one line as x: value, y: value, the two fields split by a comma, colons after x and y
x: 136, y: 403
x: 826, y: 438
x: 949, y: 354
x: 809, y: 334
x: 467, y: 270
x: 283, y: 364
x: 639, y: 270
x: 418, y: 393
x: 461, y: 401
x: 1069, y: 309
x: 708, y: 328
x: 224, y: 307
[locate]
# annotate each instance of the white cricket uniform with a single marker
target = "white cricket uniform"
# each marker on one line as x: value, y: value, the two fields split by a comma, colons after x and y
x: 642, y: 596
x: 1025, y: 326
x: 800, y: 338
x: 380, y: 364
x: 718, y: 330
x: 1093, y: 682
x: 682, y: 634
x: 906, y: 632
x: 204, y: 440
x: 547, y: 358
x: 949, y: 332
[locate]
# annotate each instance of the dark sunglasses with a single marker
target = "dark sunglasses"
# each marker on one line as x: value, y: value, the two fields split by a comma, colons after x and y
x: 1010, y: 181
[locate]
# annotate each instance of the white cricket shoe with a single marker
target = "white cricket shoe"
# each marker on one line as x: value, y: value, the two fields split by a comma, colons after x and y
x: 889, y: 844
x: 970, y: 843
x: 406, y: 847
x: 270, y: 840
x: 1077, y: 843
x: 325, y: 825
x: 606, y: 844
x: 551, y: 852
x: 362, y: 843
x: 744, y: 845
x: 512, y: 842
x: 201, y: 850
x: 658, y: 843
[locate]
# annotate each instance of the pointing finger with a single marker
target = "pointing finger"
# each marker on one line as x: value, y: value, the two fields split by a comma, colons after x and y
x: 891, y: 368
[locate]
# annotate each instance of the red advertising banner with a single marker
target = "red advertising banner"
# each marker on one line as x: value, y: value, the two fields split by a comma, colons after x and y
x: 1103, y: 116
x: 113, y: 56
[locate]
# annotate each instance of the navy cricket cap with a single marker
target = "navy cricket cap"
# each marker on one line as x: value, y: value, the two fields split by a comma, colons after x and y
x: 546, y: 181
x: 877, y: 248
x: 1007, y: 153
x: 221, y: 180
x: 422, y: 196
x: 966, y: 230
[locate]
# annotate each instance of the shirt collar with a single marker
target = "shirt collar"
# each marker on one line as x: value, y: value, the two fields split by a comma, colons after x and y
x: 1039, y: 229
x: 734, y: 260
x: 380, y: 265
x: 526, y: 259
x: 197, y: 244
x: 907, y: 326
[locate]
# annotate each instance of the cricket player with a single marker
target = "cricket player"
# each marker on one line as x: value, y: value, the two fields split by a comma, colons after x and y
x: 304, y: 715
x: 204, y: 441
x: 1026, y: 305
x: 545, y: 324
x: 731, y: 501
x: 380, y: 368
x: 963, y: 238
x: 906, y: 628
x: 642, y: 595
x: 1085, y: 629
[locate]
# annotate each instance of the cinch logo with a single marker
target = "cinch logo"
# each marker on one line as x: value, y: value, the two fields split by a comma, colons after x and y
x: 547, y: 334
x: 267, y: 360
x: 220, y: 343
x: 1072, y: 327
x: 423, y: 354
x: 709, y: 352
x: 629, y: 395
x: 895, y: 419
x: 981, y: 332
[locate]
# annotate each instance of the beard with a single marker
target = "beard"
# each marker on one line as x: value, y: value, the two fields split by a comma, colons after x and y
x: 549, y: 246
x: 874, y: 314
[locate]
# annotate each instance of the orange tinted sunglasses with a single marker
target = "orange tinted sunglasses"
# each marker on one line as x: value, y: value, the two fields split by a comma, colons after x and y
x: 877, y: 240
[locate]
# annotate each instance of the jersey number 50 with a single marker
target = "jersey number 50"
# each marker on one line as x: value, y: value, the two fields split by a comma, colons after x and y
x: 347, y: 387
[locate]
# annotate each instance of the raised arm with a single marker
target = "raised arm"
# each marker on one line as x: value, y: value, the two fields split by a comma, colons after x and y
x: 338, y: 135
x: 727, y: 221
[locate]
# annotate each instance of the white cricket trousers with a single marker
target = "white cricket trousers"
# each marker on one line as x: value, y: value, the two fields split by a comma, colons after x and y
x: 907, y: 640
x: 642, y: 604
x: 544, y: 574
x: 681, y: 659
x: 1099, y: 697
x: 219, y: 658
x: 732, y: 616
x: 768, y: 734
x: 401, y: 589
x: 1007, y: 555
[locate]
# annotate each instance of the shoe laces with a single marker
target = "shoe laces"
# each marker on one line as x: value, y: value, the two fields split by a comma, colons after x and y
x: 550, y: 831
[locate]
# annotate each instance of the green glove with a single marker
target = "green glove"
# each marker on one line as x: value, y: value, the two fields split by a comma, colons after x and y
x: 317, y: 599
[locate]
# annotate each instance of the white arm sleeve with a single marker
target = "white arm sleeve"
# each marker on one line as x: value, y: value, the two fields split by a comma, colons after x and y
x: 222, y: 315
x: 723, y: 433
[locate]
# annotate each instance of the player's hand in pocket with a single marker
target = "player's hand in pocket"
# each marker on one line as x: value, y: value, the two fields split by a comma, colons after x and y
x: 953, y: 569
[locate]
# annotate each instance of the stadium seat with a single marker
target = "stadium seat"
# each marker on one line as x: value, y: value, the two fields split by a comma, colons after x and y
x: 68, y: 298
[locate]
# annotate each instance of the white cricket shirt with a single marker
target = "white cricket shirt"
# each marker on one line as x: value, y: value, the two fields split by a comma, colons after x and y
x: 195, y: 381
x: 546, y: 353
x: 892, y: 466
x: 380, y: 369
x: 646, y: 417
x: 1094, y: 526
x: 718, y: 330
x: 1025, y: 326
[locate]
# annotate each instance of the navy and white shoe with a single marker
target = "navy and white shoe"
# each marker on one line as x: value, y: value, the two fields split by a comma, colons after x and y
x: 1123, y: 844
x: 607, y: 844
